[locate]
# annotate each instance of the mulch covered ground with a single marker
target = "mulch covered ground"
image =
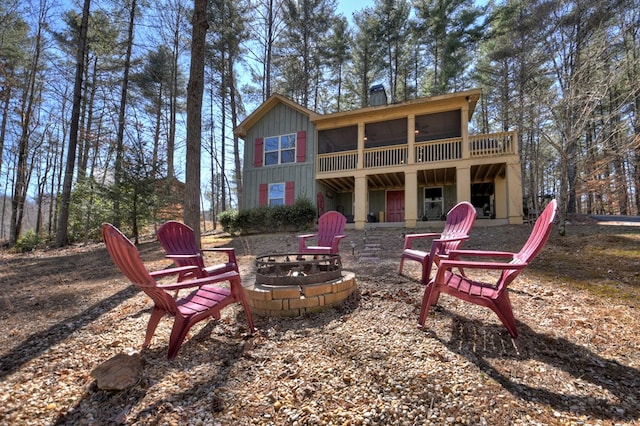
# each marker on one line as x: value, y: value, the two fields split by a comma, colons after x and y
x: 576, y: 361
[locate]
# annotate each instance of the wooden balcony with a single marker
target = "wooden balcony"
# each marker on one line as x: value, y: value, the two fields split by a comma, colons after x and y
x: 485, y: 145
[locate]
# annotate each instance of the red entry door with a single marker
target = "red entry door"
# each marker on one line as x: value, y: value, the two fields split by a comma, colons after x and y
x: 395, y: 206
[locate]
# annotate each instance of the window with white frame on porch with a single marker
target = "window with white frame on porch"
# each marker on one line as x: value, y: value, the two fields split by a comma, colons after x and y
x: 280, y: 150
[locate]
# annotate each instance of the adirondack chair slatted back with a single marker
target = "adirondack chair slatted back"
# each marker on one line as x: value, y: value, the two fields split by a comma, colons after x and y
x: 459, y: 221
x: 178, y: 238
x: 330, y: 225
x: 536, y: 241
x: 330, y: 232
x: 539, y: 234
x: 127, y: 258
x: 179, y: 242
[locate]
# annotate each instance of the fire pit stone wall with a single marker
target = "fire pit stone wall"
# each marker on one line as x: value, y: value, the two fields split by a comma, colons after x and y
x: 297, y: 300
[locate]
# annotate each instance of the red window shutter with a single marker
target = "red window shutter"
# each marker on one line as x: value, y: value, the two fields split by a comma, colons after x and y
x: 289, y: 195
x: 301, y: 148
x: 264, y: 195
x: 259, y: 150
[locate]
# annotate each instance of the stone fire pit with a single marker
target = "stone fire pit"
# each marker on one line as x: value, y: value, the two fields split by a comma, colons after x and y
x: 294, y: 284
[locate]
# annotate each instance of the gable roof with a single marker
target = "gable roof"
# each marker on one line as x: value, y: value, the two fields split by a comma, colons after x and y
x: 268, y: 105
x: 471, y: 96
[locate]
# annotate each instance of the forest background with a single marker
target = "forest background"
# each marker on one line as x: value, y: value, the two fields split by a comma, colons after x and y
x: 94, y: 96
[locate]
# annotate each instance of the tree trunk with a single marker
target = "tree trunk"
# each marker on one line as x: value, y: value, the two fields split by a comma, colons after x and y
x: 121, y: 118
x: 223, y: 127
x: 23, y: 169
x: 62, y: 235
x: 173, y: 96
x: 194, y: 117
x: 6, y: 103
x: 234, y: 122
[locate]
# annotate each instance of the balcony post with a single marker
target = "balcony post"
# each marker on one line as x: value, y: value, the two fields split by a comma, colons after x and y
x: 361, y: 136
x: 361, y: 208
x: 463, y: 184
x: 514, y: 142
x: 411, y: 138
x: 464, y: 112
x: 410, y: 198
x: 514, y: 193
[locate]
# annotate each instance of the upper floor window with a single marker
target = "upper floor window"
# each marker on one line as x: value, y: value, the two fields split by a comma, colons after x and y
x: 276, y: 194
x: 279, y: 150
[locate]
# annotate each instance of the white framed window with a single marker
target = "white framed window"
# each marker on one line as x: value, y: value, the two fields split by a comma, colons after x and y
x: 276, y: 194
x: 280, y: 150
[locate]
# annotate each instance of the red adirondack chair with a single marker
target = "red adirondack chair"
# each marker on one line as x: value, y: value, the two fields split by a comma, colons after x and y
x: 459, y: 221
x: 492, y: 295
x: 330, y: 232
x: 179, y: 242
x: 206, y: 300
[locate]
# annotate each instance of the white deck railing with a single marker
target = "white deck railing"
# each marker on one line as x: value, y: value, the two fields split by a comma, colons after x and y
x: 440, y: 150
x: 337, y: 161
x: 487, y: 145
x: 494, y: 144
x: 384, y: 157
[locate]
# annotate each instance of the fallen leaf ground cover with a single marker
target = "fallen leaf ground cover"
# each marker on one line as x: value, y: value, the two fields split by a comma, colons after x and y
x: 576, y: 361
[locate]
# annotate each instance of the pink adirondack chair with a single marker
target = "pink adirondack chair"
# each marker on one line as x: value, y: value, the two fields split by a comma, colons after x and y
x: 206, y: 300
x: 330, y: 232
x: 179, y: 242
x: 492, y: 295
x: 459, y: 221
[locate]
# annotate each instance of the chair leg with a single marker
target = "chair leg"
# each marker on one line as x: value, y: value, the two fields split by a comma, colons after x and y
x: 238, y: 293
x: 431, y: 295
x: 401, y: 265
x: 426, y: 269
x: 156, y: 316
x: 502, y: 308
x: 179, y: 331
x: 247, y: 312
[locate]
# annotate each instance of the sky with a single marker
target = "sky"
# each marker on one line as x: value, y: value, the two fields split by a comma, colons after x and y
x: 347, y: 7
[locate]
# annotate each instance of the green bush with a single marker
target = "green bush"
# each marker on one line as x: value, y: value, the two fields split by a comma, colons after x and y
x: 304, y: 213
x: 27, y: 242
x: 90, y: 207
x: 227, y: 220
x: 269, y: 219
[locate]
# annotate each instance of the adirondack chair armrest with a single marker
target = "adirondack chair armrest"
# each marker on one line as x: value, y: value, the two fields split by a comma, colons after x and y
x: 220, y: 249
x: 437, y: 243
x: 305, y: 236
x: 474, y: 264
x: 456, y: 254
x: 230, y: 251
x: 173, y: 271
x: 199, y: 282
x: 336, y: 242
x: 449, y: 238
x: 409, y: 238
x: 181, y: 256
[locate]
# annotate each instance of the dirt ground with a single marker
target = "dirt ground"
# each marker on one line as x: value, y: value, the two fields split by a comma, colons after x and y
x: 576, y: 361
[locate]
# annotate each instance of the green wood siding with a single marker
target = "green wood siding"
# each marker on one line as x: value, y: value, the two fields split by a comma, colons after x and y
x: 279, y: 121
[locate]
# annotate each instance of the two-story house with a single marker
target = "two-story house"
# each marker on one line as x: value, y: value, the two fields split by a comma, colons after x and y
x: 405, y: 163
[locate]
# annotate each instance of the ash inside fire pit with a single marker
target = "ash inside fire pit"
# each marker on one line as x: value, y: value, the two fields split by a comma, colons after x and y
x: 297, y: 269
